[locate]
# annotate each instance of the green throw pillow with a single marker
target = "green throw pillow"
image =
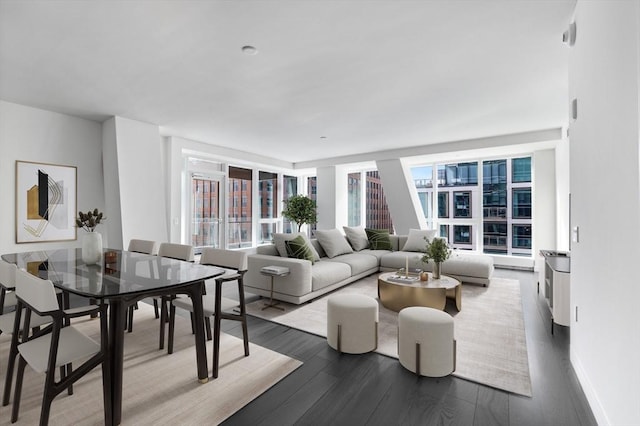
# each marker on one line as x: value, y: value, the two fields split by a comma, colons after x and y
x: 298, y: 248
x: 378, y: 239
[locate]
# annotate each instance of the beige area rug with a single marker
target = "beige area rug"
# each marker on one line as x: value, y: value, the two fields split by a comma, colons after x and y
x: 491, y: 341
x: 159, y: 389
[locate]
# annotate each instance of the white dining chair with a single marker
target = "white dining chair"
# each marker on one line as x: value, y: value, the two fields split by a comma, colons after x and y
x: 214, y: 304
x: 63, y: 346
x: 7, y: 324
x: 179, y: 252
x: 144, y: 247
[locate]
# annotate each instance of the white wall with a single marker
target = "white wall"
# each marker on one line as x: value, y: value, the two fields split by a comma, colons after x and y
x: 544, y: 202
x: 401, y: 195
x: 111, y: 183
x: 605, y: 196
x: 562, y: 195
x: 138, y: 171
x: 332, y: 197
x: 31, y: 134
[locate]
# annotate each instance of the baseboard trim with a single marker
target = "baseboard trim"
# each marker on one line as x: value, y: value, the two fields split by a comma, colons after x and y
x: 515, y: 268
x: 588, y: 389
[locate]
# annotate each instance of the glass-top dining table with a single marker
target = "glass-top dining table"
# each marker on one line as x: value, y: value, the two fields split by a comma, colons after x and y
x: 122, y: 278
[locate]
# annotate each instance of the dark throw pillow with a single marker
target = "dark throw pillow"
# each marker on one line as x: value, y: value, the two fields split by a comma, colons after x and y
x: 378, y: 239
x: 298, y: 248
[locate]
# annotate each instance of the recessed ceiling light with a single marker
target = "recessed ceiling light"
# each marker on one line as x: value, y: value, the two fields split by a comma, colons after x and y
x: 249, y: 50
x: 323, y: 137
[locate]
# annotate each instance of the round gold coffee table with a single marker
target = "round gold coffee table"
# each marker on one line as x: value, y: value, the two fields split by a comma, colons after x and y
x: 398, y: 293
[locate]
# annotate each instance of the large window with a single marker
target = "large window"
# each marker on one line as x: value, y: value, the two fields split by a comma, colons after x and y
x: 239, y: 207
x: 494, y: 217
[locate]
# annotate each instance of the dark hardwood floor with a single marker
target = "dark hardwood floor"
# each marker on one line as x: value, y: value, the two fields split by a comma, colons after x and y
x: 372, y: 389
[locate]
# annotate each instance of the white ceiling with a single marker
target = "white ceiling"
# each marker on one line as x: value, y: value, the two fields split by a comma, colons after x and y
x: 331, y: 78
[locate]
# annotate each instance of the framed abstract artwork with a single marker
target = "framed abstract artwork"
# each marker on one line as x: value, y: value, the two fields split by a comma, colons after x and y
x: 45, y: 202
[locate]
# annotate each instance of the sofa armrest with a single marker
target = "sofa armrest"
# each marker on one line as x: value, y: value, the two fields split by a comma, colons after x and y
x: 297, y: 283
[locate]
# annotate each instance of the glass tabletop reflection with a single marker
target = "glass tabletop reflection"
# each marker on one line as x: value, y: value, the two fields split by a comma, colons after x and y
x: 118, y: 273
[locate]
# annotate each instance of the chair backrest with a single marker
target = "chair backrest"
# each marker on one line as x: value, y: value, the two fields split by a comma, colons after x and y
x: 7, y: 275
x: 232, y: 259
x: 36, y: 292
x: 143, y: 246
x: 176, y: 251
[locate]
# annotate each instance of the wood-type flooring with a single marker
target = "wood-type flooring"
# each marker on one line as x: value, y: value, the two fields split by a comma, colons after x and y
x: 372, y: 389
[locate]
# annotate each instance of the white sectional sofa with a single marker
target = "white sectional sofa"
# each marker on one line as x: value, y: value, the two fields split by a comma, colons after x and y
x: 308, y: 280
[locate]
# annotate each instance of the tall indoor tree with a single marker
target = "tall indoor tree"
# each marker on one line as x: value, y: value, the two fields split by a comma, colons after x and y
x: 300, y: 209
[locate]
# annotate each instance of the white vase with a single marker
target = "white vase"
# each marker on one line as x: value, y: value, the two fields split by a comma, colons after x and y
x: 91, y: 248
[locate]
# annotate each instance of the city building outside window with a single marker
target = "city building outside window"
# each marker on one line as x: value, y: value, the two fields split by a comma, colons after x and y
x: 462, y: 234
x: 377, y: 210
x: 239, y: 217
x: 205, y: 212
x: 522, y: 203
x: 267, y: 199
x: 354, y: 191
x: 462, y: 204
x: 522, y: 236
x: 444, y: 232
x: 443, y: 205
x: 290, y: 189
x: 521, y: 170
x: 312, y: 192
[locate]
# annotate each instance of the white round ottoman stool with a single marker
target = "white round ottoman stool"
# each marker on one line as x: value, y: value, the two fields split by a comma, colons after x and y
x: 425, y: 341
x: 352, y: 323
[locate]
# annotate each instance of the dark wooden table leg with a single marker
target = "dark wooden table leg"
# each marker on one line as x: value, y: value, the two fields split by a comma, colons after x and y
x: 117, y: 312
x: 201, y: 349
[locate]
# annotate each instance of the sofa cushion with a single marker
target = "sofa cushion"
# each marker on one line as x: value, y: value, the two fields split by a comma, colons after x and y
x: 359, y: 262
x: 333, y: 242
x: 378, y: 239
x: 299, y: 249
x: 279, y: 239
x: 377, y: 253
x: 325, y: 273
x: 417, y: 239
x: 357, y: 237
x: 468, y: 264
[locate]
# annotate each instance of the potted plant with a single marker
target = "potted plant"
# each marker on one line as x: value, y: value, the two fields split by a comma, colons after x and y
x: 300, y: 209
x: 439, y: 251
x: 92, y: 241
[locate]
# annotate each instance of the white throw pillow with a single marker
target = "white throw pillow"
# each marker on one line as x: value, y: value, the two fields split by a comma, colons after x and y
x: 357, y: 237
x: 280, y: 238
x: 333, y: 242
x: 416, y: 239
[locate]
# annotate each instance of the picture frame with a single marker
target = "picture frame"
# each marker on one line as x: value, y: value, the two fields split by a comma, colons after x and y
x: 45, y: 216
